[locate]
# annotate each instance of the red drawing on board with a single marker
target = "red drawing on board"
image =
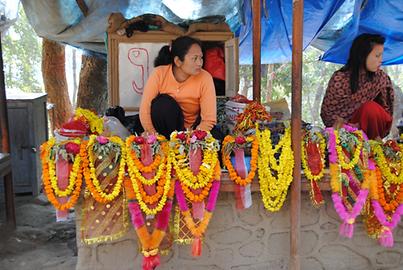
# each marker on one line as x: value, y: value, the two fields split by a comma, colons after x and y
x: 139, y: 58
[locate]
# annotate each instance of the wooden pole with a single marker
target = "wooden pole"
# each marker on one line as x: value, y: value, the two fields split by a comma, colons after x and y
x: 295, y: 212
x: 5, y: 143
x: 256, y: 11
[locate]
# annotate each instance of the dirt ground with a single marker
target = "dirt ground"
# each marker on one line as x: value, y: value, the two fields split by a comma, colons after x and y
x: 39, y: 242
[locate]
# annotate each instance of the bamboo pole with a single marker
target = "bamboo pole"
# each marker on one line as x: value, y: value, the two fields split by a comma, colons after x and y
x: 256, y: 11
x: 295, y: 212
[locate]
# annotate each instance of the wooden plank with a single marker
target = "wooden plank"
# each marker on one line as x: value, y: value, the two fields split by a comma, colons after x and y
x: 295, y: 209
x: 227, y: 185
x: 256, y: 11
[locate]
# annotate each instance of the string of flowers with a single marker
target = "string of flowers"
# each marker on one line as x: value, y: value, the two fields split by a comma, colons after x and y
x: 381, y: 207
x: 229, y: 144
x: 385, y: 165
x: 274, y: 188
x: 357, y: 151
x: 310, y: 142
x: 197, y: 231
x: 348, y: 217
x: 105, y: 146
x: 150, y: 243
x: 96, y: 123
x: 136, y: 167
x: 48, y: 176
x: 181, y: 144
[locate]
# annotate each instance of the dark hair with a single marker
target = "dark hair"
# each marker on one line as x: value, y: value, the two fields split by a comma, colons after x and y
x: 359, y: 51
x: 179, y: 48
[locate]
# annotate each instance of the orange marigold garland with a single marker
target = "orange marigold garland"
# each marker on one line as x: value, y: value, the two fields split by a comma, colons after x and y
x: 49, y: 174
x: 229, y: 144
x: 139, y: 200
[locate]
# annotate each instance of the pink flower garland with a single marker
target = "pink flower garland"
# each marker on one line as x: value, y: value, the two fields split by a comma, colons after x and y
x: 347, y: 227
x: 150, y: 262
x: 386, y: 236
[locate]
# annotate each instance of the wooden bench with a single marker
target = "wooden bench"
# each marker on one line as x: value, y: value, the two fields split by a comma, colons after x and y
x: 5, y: 172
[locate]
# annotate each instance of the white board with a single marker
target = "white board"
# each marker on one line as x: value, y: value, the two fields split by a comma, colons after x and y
x: 136, y: 62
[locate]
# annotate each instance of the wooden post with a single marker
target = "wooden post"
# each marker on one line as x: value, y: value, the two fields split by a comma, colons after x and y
x: 295, y: 212
x: 256, y: 11
x: 5, y: 143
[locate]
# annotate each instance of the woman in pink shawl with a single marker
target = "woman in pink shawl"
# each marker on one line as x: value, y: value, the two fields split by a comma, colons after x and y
x: 360, y: 92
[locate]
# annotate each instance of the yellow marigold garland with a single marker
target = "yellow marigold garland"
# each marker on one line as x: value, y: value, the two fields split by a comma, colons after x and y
x: 96, y: 123
x: 357, y: 151
x: 91, y: 179
x: 384, y: 165
x: 274, y: 189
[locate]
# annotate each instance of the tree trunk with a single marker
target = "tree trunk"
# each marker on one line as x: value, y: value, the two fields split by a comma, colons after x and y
x: 54, y: 79
x: 92, y: 89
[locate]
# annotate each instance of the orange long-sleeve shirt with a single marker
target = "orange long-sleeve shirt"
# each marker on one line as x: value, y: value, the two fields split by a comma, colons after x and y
x: 195, y: 96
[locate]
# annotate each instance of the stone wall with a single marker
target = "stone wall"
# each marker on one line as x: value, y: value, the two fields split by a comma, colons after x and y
x: 255, y: 239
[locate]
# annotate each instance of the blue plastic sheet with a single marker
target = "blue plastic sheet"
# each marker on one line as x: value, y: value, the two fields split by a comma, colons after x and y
x: 383, y: 17
x: 328, y: 24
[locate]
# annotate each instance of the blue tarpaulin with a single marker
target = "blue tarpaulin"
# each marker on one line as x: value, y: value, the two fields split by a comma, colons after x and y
x: 329, y: 25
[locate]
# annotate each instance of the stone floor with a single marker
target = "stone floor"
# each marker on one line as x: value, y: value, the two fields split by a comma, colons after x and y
x: 39, y: 242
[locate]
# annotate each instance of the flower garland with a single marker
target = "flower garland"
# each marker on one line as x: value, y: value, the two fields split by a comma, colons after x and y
x: 208, y: 169
x: 197, y: 230
x: 96, y: 123
x: 136, y: 167
x: 348, y: 217
x: 149, y: 242
x: 380, y: 206
x: 142, y: 197
x: 357, y: 151
x: 52, y: 166
x: 50, y: 180
x: 138, y: 200
x: 384, y: 164
x: 310, y: 141
x: 274, y: 188
x: 322, y: 147
x: 240, y: 141
x: 104, y: 145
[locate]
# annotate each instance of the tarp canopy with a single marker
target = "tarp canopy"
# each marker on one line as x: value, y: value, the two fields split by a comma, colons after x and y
x: 329, y: 25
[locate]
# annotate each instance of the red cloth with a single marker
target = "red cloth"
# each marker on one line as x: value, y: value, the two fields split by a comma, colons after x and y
x: 373, y: 119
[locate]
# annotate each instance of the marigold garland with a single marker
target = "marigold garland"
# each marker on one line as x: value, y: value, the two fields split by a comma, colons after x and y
x: 307, y: 171
x: 378, y: 193
x: 274, y: 189
x: 91, y: 179
x: 384, y: 165
x: 357, y: 151
x: 253, y: 162
x: 96, y: 123
x: 136, y: 167
x: 46, y: 177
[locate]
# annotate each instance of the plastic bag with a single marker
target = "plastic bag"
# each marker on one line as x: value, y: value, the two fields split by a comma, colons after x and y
x: 113, y: 127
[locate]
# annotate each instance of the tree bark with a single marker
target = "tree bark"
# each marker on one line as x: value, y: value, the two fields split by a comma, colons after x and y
x: 54, y: 79
x: 93, y: 89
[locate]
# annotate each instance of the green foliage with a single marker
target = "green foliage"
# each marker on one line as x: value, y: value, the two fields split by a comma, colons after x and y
x: 22, y: 56
x: 315, y: 76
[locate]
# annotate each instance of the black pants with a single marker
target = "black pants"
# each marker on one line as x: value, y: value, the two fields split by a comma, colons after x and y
x: 167, y: 116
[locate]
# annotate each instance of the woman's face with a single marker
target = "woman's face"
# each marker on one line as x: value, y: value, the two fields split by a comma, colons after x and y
x: 374, y: 58
x: 192, y: 62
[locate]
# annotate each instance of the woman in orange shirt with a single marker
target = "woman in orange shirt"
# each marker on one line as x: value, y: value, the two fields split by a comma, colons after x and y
x: 179, y: 94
